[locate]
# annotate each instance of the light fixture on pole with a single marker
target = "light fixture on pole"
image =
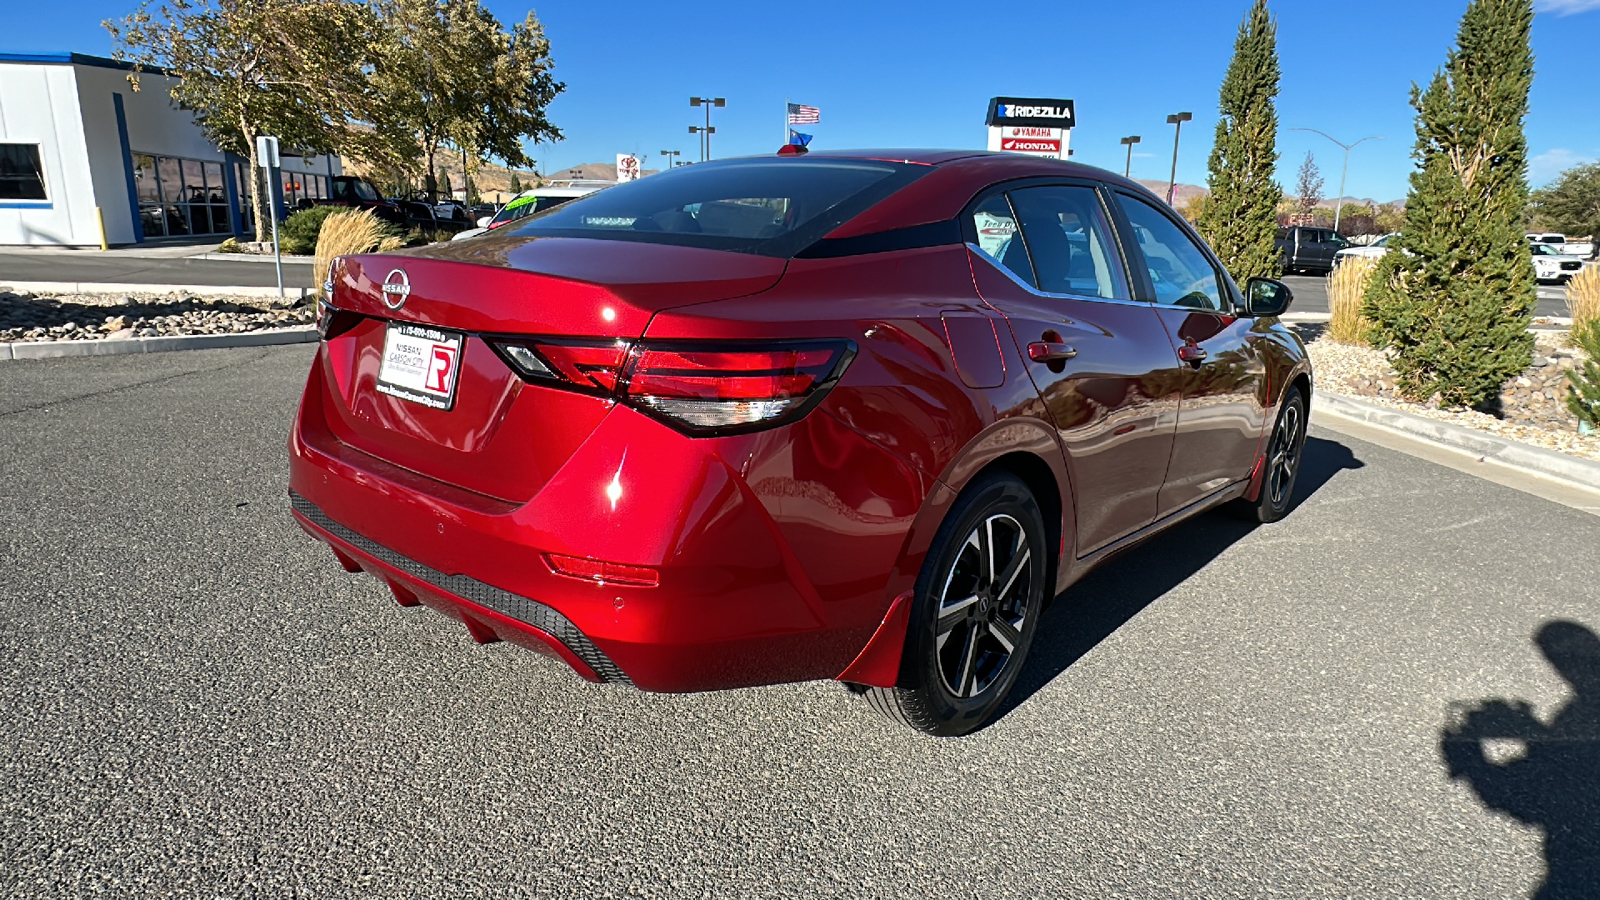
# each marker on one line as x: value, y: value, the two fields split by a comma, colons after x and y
x: 707, y: 131
x: 1176, y: 119
x: 1130, y: 141
x: 668, y: 155
x: 1344, y: 170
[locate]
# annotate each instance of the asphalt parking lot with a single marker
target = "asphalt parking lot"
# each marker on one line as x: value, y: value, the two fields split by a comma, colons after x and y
x: 198, y: 701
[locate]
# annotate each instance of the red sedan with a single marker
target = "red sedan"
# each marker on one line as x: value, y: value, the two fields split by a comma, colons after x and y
x: 855, y: 416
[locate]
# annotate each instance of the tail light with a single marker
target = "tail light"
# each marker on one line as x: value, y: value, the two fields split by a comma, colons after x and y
x: 698, y: 388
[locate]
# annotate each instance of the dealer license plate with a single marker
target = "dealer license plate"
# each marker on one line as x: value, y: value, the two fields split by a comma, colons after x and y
x: 420, y: 364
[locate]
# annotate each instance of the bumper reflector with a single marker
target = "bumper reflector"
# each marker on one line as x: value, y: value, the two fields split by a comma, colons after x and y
x: 602, y: 572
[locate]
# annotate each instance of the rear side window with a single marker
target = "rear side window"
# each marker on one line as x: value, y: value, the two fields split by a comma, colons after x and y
x: 1069, y: 242
x: 766, y: 206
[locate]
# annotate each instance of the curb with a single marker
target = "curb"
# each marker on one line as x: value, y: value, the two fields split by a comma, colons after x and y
x: 1582, y: 472
x: 303, y: 334
x: 102, y: 287
x: 214, y: 256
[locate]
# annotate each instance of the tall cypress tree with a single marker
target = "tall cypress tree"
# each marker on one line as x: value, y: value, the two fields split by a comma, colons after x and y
x: 1454, y: 304
x: 1240, y: 218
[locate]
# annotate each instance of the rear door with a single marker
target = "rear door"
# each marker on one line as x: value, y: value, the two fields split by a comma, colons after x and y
x: 1223, y: 376
x: 1044, y: 255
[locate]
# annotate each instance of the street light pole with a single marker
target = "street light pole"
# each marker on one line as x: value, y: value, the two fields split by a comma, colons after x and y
x: 1175, y: 119
x: 707, y: 131
x: 668, y: 155
x: 1344, y: 170
x: 1130, y: 141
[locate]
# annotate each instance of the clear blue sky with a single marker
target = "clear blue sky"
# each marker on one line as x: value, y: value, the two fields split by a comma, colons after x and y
x: 895, y: 74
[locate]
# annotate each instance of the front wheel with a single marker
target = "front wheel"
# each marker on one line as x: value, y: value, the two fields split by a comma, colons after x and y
x: 976, y: 605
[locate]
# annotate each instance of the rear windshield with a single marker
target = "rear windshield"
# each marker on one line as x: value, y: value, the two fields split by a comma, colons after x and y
x: 772, y: 207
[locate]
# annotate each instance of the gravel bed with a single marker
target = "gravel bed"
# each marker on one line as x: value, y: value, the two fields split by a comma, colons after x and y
x: 1533, y: 404
x: 92, y: 317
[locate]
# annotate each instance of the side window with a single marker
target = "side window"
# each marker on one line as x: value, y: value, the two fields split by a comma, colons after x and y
x: 1182, y: 274
x: 1069, y: 242
x: 996, y: 226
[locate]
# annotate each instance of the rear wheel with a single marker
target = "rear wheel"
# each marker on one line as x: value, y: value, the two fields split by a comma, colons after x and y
x: 976, y: 606
x: 1282, y: 464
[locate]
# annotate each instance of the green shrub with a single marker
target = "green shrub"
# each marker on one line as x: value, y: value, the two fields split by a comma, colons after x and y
x: 298, y: 234
x: 231, y: 245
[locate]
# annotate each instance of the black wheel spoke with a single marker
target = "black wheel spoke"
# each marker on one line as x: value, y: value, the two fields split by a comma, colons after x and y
x: 1006, y: 633
x: 1008, y: 578
x: 954, y: 613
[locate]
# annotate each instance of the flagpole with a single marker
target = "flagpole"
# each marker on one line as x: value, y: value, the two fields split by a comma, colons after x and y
x: 785, y: 120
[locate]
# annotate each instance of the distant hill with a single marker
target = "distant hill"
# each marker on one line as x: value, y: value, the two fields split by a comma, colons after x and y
x: 600, y: 171
x: 489, y: 177
x: 1181, y: 195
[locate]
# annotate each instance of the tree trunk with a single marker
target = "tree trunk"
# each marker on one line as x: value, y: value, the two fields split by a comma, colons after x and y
x: 432, y: 186
x: 255, y: 179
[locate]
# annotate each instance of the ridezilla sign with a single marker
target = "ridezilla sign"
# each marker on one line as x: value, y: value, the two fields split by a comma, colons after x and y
x: 1037, y: 126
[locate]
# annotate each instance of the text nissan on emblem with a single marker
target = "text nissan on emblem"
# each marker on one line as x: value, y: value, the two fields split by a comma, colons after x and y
x: 396, y: 288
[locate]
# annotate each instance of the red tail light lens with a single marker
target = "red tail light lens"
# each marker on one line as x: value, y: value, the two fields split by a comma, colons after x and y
x: 602, y: 572
x: 700, y: 388
x: 713, y: 388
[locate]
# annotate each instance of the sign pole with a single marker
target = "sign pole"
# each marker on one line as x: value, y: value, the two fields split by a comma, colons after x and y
x: 267, y: 156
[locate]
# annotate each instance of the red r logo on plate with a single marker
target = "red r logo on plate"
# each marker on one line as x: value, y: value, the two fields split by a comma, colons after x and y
x: 444, y: 359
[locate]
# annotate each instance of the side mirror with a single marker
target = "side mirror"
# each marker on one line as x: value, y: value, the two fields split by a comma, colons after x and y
x: 483, y: 222
x: 1264, y: 297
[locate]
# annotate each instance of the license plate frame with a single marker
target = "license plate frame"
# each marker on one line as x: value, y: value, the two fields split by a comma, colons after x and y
x: 421, y: 364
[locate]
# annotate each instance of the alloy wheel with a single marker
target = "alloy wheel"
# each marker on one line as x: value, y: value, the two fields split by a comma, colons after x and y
x: 984, y: 606
x: 1284, y: 454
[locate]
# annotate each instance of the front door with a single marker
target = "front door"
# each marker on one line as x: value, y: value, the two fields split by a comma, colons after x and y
x: 1221, y: 418
x: 1043, y: 256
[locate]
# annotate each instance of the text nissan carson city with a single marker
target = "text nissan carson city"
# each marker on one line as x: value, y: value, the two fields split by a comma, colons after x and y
x: 853, y: 416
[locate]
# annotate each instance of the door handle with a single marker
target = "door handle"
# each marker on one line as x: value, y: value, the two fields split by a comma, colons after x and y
x: 1191, y: 353
x: 1050, y: 351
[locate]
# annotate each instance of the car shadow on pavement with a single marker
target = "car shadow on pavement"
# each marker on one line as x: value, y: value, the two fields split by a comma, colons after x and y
x: 1546, y: 775
x: 1094, y: 608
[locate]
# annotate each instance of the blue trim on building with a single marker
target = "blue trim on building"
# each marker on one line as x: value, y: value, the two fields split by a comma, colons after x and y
x: 235, y: 216
x: 26, y: 204
x: 127, y: 167
x: 68, y: 59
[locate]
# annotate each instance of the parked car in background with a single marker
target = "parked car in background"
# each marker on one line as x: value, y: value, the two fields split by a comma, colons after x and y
x: 1308, y: 249
x: 1563, y: 244
x: 1552, y: 266
x: 775, y: 419
x: 1374, y: 250
x: 480, y: 210
x: 531, y: 201
x: 356, y: 192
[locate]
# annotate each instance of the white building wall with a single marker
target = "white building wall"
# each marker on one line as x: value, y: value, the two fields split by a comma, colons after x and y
x: 39, y: 105
x: 69, y: 111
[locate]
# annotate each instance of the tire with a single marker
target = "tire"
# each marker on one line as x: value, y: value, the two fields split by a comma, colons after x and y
x: 956, y: 670
x: 1284, y: 452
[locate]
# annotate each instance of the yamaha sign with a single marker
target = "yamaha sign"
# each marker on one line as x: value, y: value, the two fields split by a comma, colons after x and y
x: 1038, y: 112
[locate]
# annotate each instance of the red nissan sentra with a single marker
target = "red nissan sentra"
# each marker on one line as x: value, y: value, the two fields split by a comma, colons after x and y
x: 856, y: 416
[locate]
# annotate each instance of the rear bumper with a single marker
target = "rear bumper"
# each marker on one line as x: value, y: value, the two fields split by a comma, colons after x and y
x: 490, y: 613
x: 773, y: 569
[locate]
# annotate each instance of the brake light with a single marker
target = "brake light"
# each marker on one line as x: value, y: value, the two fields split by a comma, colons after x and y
x: 700, y: 388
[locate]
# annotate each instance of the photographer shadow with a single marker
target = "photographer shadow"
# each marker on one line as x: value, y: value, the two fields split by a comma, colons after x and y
x: 1543, y: 775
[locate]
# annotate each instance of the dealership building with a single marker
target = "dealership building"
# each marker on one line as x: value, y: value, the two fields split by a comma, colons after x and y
x: 80, y: 147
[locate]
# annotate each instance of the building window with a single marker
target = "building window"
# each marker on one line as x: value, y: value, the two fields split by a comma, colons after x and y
x: 21, y: 176
x: 180, y: 196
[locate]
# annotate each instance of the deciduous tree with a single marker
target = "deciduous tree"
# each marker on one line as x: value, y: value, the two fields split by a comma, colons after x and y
x: 295, y: 69
x: 1454, y: 304
x: 1239, y: 220
x: 1308, y: 186
x: 452, y: 74
x: 1571, y: 204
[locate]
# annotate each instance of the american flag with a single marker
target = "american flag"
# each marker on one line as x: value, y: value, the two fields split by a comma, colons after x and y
x: 804, y: 115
